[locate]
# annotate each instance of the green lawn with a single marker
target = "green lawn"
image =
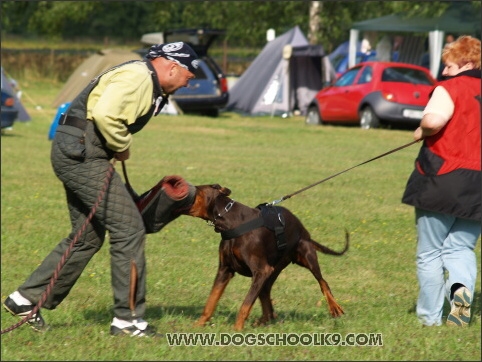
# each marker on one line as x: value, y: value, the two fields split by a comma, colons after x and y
x: 260, y: 159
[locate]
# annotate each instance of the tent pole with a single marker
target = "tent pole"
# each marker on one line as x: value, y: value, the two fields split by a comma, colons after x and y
x: 354, y: 33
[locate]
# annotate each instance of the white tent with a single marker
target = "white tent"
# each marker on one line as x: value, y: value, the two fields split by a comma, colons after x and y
x: 283, y: 78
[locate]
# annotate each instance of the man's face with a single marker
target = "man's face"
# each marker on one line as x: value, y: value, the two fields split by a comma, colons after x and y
x: 178, y: 77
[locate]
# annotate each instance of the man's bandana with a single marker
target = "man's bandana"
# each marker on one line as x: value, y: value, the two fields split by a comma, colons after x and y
x: 178, y: 52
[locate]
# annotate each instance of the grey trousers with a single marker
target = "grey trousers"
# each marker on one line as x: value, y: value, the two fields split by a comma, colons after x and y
x: 82, y: 167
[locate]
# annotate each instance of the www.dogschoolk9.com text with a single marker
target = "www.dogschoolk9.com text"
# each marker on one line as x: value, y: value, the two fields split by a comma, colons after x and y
x: 275, y: 339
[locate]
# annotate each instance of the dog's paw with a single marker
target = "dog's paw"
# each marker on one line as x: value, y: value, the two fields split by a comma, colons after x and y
x: 336, y: 311
x: 199, y: 323
x: 264, y: 320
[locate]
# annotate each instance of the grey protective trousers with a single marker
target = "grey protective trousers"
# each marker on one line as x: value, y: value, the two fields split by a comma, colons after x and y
x: 82, y: 166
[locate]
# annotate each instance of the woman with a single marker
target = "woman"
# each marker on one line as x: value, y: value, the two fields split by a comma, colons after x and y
x: 445, y: 187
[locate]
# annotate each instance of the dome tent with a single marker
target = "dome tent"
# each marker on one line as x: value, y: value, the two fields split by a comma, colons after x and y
x: 285, y: 76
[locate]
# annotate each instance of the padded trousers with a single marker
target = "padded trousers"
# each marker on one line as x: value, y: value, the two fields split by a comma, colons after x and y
x: 81, y: 162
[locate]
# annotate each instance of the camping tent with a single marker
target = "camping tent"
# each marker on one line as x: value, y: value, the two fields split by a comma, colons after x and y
x: 459, y: 18
x: 91, y: 67
x: 285, y: 76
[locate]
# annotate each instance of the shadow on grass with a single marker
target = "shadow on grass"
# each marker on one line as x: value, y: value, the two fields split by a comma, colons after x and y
x: 157, y: 312
x: 8, y: 134
x: 227, y: 317
x: 191, y: 313
x: 394, y: 126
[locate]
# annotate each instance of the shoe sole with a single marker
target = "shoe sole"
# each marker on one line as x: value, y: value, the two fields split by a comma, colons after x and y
x: 31, y: 324
x: 460, y: 314
x: 134, y: 332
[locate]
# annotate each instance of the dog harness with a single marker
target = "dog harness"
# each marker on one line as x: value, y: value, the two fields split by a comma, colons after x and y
x: 270, y: 217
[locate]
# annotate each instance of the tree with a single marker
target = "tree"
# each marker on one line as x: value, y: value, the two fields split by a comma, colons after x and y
x: 246, y: 22
x: 314, y: 21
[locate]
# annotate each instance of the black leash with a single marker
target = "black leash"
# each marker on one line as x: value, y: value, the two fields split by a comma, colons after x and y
x: 339, y: 173
x: 55, y: 276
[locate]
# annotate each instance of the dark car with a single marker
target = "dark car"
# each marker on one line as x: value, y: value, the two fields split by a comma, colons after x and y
x: 372, y: 94
x: 208, y: 92
x: 9, y: 112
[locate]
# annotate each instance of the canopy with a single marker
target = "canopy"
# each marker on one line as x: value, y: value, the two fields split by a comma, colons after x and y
x: 460, y: 18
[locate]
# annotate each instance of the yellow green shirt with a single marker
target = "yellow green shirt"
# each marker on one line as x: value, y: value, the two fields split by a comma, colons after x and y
x: 121, y: 96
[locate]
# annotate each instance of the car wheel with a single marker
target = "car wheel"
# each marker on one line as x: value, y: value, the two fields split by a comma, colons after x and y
x: 313, y: 116
x: 368, y: 118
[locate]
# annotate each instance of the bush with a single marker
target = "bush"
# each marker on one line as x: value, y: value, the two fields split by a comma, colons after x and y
x: 43, y: 63
x: 59, y: 64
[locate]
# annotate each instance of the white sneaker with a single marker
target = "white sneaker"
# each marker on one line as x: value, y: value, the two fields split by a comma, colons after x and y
x: 134, y: 328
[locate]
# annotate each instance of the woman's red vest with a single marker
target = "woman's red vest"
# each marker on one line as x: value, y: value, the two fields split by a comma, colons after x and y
x: 447, y: 177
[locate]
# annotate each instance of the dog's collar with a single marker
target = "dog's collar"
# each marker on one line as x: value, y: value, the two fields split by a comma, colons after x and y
x: 228, y: 207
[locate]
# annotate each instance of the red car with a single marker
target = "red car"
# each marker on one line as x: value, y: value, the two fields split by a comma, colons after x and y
x: 372, y: 94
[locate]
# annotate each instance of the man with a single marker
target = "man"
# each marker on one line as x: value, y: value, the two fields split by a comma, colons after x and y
x: 445, y: 187
x: 97, y: 128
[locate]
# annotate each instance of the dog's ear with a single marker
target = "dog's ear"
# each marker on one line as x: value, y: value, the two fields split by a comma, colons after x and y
x: 225, y: 191
x: 222, y: 190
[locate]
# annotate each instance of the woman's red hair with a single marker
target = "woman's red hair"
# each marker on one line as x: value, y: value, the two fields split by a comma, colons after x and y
x: 465, y: 49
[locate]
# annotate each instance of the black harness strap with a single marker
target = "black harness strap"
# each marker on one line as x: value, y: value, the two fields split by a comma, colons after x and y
x: 270, y: 218
x: 274, y: 221
x: 243, y: 228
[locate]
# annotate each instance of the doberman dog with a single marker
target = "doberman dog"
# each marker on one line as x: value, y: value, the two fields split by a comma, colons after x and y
x: 258, y: 243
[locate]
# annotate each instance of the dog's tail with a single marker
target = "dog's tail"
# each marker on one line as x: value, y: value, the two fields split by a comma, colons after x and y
x: 325, y: 250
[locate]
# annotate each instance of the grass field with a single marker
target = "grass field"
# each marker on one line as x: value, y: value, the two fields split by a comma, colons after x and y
x: 261, y: 159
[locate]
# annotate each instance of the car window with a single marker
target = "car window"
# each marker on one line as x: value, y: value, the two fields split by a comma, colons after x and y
x: 348, y: 78
x: 366, y: 75
x: 405, y: 75
x: 200, y: 74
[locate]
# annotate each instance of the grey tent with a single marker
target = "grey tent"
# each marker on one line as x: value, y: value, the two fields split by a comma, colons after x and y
x: 459, y: 18
x: 284, y: 77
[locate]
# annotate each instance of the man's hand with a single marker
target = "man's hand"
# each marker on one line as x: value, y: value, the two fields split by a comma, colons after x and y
x: 122, y: 156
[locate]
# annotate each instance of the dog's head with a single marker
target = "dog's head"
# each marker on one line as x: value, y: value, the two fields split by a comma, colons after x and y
x: 205, y: 199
